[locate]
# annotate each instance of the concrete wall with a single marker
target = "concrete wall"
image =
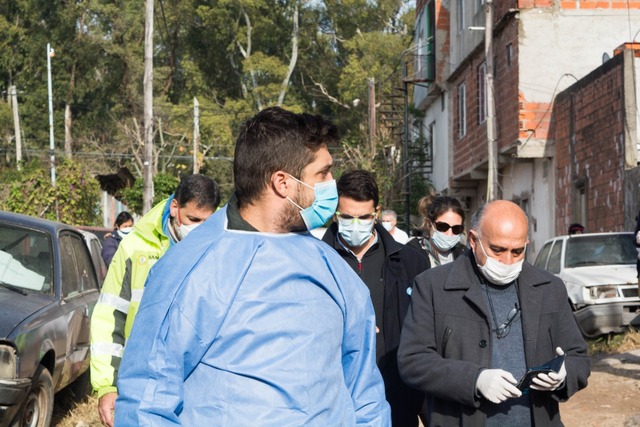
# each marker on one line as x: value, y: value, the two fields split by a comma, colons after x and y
x: 465, y: 41
x: 531, y: 185
x: 438, y: 115
x: 433, y: 98
x: 558, y: 46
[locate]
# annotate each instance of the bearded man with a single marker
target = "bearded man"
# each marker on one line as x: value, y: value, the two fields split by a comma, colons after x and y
x: 253, y: 321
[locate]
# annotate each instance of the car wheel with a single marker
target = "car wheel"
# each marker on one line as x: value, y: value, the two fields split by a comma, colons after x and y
x: 38, y: 407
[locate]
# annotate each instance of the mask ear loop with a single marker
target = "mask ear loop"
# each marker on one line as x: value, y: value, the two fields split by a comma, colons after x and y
x: 179, y: 220
x: 299, y: 182
x: 295, y: 204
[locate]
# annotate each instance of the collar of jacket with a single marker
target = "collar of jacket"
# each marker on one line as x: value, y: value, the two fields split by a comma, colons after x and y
x: 150, y: 226
x: 391, y: 246
x: 463, y: 275
x: 457, y: 250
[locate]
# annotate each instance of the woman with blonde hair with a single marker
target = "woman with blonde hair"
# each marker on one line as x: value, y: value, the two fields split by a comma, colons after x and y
x: 443, y: 224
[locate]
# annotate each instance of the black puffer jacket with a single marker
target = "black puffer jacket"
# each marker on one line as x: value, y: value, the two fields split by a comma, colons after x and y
x: 401, y: 266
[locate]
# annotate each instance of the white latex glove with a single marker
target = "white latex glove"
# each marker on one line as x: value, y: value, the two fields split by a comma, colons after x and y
x: 497, y: 385
x: 552, y: 380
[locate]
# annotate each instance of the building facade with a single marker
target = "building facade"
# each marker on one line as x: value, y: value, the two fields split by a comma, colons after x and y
x: 540, y: 48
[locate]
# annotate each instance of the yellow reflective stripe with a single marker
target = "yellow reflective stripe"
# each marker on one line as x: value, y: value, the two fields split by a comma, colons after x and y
x: 107, y: 348
x: 114, y: 301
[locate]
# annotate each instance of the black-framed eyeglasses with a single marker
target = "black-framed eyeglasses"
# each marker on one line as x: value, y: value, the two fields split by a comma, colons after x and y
x: 503, y: 330
x: 364, y: 217
x: 443, y: 227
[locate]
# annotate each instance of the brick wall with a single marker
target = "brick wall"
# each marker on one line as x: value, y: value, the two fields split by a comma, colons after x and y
x: 443, y: 41
x: 471, y: 150
x: 591, y: 4
x: 588, y: 120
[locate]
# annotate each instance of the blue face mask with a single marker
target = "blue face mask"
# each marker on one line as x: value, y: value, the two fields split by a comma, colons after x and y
x: 444, y: 242
x: 355, y: 232
x: 324, y: 204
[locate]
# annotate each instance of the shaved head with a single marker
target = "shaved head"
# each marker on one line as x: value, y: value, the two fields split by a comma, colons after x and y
x: 503, y: 227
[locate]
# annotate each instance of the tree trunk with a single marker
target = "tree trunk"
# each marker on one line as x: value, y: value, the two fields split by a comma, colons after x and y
x: 68, y: 138
x: 294, y: 57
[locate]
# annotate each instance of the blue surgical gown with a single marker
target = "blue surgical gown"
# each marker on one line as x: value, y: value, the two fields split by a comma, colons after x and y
x: 243, y: 328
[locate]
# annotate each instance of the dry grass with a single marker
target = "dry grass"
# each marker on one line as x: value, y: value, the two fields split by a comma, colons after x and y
x: 630, y: 342
x: 80, y: 414
x: 615, y: 343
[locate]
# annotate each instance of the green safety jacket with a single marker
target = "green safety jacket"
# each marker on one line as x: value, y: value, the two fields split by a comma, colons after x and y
x: 120, y: 296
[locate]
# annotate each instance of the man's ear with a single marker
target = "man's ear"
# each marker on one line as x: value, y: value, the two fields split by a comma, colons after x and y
x: 282, y: 184
x: 378, y: 209
x: 473, y: 238
x: 173, y: 208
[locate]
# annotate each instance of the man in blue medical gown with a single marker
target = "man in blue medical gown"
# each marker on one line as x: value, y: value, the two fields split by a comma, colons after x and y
x: 252, y: 321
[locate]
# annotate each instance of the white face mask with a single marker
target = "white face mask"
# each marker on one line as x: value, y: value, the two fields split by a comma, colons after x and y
x: 444, y: 242
x: 497, y: 272
x: 184, y: 229
x: 355, y: 232
x: 387, y: 225
x: 124, y: 231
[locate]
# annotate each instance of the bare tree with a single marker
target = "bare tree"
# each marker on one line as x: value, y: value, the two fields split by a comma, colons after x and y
x: 294, y: 56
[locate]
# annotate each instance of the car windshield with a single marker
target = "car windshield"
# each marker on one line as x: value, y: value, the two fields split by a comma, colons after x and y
x: 600, y: 250
x: 25, y: 258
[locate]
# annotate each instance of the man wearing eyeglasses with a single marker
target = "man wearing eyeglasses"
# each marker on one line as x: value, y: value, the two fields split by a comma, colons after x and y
x: 478, y: 324
x: 388, y: 269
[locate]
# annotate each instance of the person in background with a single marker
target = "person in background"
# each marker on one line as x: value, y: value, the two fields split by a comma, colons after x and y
x: 443, y: 223
x: 253, y: 321
x: 389, y: 221
x: 388, y: 269
x: 170, y: 221
x: 477, y: 324
x: 123, y: 225
x: 576, y: 228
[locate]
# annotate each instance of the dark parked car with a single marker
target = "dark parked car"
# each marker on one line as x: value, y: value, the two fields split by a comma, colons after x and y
x: 95, y: 247
x: 100, y: 232
x: 599, y: 271
x: 48, y: 288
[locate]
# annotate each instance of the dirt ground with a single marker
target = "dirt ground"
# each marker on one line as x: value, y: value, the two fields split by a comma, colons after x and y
x: 612, y: 398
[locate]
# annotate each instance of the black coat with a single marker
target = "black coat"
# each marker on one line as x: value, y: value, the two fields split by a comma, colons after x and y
x: 110, y: 246
x: 446, y: 341
x: 402, y: 264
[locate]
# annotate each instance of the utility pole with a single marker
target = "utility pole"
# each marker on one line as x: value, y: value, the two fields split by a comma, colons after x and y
x: 406, y: 176
x: 16, y: 125
x: 147, y: 194
x: 196, y: 134
x: 50, y: 54
x: 372, y: 116
x: 492, y: 143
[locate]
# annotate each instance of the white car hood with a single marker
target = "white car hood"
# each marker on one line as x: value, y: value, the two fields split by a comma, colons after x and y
x: 600, y: 275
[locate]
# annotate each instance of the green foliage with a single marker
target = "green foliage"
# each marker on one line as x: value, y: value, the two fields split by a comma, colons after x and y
x: 164, y: 185
x: 74, y: 199
x: 232, y: 55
